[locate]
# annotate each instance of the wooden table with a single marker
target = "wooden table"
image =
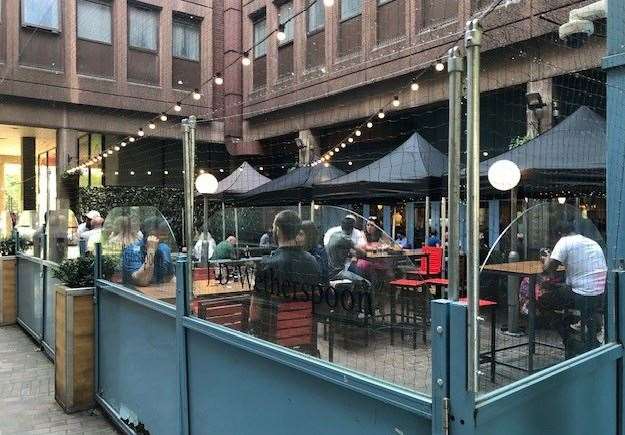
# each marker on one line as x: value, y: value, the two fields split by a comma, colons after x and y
x: 531, y: 270
x: 167, y: 291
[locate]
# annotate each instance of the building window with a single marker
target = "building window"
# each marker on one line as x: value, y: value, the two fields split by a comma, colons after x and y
x: 41, y: 13
x: 285, y: 12
x: 186, y: 40
x: 94, y: 21
x: 260, y: 35
x: 350, y: 9
x: 315, y: 16
x: 142, y: 28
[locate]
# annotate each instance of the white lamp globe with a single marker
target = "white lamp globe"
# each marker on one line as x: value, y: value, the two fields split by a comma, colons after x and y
x: 206, y: 183
x: 504, y: 175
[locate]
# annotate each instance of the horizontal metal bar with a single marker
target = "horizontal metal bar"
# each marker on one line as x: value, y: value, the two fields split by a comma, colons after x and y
x: 48, y: 350
x: 29, y: 330
x: 492, y: 404
x: 113, y: 415
x: 138, y: 298
x: 37, y: 260
x: 410, y: 401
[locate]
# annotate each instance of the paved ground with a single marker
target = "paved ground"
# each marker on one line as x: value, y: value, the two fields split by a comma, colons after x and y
x: 27, y: 405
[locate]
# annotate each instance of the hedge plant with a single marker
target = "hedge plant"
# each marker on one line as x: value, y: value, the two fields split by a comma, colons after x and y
x: 78, y: 272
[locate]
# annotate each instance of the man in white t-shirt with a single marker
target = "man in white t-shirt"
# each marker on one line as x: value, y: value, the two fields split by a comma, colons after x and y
x: 358, y: 237
x: 586, y: 274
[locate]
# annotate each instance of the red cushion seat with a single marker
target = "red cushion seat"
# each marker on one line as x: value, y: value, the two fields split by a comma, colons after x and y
x: 484, y: 303
x: 407, y: 283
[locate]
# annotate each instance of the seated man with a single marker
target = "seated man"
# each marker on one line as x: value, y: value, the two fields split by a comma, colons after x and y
x: 225, y: 249
x: 148, y: 260
x: 359, y: 238
x: 586, y: 273
x: 340, y: 247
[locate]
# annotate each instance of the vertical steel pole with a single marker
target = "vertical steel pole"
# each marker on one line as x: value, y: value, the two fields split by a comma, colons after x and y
x: 455, y: 68
x: 299, y: 209
x: 513, y: 257
x: 188, y: 143
x: 236, y: 225
x: 312, y: 210
x: 205, y: 229
x: 443, y: 225
x: 223, y: 220
x: 473, y: 38
x: 427, y: 219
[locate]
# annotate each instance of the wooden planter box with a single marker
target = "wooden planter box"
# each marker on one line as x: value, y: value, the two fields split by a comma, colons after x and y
x: 8, y: 291
x: 74, y: 349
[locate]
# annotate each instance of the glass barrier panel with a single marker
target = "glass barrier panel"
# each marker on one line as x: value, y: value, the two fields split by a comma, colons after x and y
x: 139, y: 251
x: 542, y: 292
x: 335, y: 287
x: 30, y: 233
x: 62, y: 235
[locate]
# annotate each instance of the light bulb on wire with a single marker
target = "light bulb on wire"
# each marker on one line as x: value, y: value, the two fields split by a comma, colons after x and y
x: 141, y: 133
x: 196, y: 94
x: 163, y: 117
x: 381, y: 114
x: 219, y: 80
x: 358, y: 132
x: 350, y: 139
x: 328, y: 3
x: 131, y: 139
x: 123, y: 144
x: 281, y: 35
x: 151, y: 126
x: 369, y: 124
x: 439, y: 66
x: 116, y: 148
x: 178, y: 106
x: 414, y: 86
x: 343, y: 145
x: 336, y: 149
x: 245, y: 60
x: 396, y: 101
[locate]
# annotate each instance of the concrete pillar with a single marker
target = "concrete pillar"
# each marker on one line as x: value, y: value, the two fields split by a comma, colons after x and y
x: 308, y: 146
x: 66, y: 156
x: 493, y: 221
x: 387, y: 219
x: 540, y: 120
x: 410, y: 221
x: 29, y: 174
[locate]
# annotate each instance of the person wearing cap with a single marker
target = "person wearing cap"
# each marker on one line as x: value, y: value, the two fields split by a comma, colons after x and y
x: 357, y: 236
x: 340, y: 248
x: 88, y: 222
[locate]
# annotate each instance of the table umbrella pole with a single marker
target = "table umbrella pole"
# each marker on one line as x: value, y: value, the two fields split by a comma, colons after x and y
x: 223, y: 220
x: 473, y: 38
x: 455, y: 68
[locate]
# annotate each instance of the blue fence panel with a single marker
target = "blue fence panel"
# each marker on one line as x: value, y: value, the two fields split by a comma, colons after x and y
x: 49, y: 311
x: 30, y: 296
x: 235, y: 391
x: 137, y: 363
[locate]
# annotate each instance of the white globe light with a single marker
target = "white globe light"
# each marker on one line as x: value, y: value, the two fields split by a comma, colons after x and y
x: 328, y: 3
x: 206, y: 183
x: 561, y: 200
x: 504, y: 175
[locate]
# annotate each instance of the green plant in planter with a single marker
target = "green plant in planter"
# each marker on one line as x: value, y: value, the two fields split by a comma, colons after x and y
x: 78, y: 272
x: 7, y: 246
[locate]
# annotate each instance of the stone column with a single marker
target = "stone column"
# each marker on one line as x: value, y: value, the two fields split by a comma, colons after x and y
x: 308, y: 146
x: 66, y: 157
x: 410, y: 221
x: 540, y: 120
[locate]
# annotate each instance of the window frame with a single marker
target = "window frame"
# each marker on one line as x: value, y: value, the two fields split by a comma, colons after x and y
x: 290, y: 23
x: 155, y: 10
x: 25, y: 24
x: 255, y: 21
x: 316, y: 30
x: 344, y: 19
x: 104, y: 3
x: 186, y: 21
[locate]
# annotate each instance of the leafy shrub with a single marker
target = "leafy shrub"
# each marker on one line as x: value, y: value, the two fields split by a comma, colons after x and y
x: 78, y: 272
x: 7, y: 246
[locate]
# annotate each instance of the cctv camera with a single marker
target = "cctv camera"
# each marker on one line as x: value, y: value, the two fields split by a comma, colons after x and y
x: 580, y: 26
x: 575, y: 33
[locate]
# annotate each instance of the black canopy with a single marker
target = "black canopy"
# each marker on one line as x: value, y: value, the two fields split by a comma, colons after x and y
x: 414, y: 168
x: 576, y: 144
x: 293, y: 187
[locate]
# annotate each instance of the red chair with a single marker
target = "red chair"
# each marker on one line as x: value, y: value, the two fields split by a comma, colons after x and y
x: 231, y: 312
x: 413, y: 301
x: 431, y: 265
x: 488, y: 357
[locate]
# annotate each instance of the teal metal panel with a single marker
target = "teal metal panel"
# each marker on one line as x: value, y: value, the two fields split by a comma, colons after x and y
x: 30, y: 297
x: 462, y: 402
x: 235, y: 391
x: 440, y: 365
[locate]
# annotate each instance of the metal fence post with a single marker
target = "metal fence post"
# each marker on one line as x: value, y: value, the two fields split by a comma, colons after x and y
x: 97, y: 274
x: 188, y: 142
x: 455, y: 68
x: 182, y: 289
x: 440, y: 367
x: 473, y: 38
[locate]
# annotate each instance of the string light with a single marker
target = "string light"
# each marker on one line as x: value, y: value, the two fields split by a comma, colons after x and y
x: 117, y: 148
x: 369, y: 124
x: 202, y: 171
x: 132, y: 172
x: 116, y: 172
x: 326, y: 164
x: 281, y: 35
x: 336, y: 150
x: 350, y: 163
x: 140, y: 133
x: 131, y: 139
x: 123, y: 144
x: 219, y: 80
x: 261, y: 168
x: 381, y: 114
x: 163, y: 117
x: 166, y: 172
x: 331, y: 153
x: 350, y: 139
x: 178, y: 107
x: 439, y: 66
x: 109, y: 152
x: 343, y: 145
x: 149, y: 172
x: 358, y: 132
x: 328, y: 3
x: 221, y: 170
x: 245, y: 60
x: 196, y: 94
x: 414, y: 86
x: 396, y: 101
x: 151, y: 126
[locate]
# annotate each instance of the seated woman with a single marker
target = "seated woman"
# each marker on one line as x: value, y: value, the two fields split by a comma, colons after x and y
x: 148, y: 260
